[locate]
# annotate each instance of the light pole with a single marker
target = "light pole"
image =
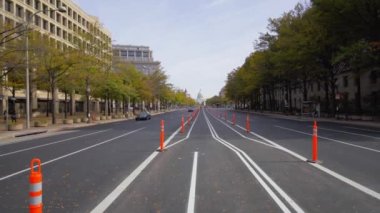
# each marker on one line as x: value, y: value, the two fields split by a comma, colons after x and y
x: 27, y: 89
x: 88, y: 90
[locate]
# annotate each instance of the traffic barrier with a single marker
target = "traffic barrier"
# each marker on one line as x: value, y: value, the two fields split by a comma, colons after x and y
x: 35, y: 187
x: 162, y: 135
x: 247, y: 124
x: 314, y: 158
x: 182, y: 125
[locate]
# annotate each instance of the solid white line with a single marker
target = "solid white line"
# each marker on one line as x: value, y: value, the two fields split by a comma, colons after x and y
x: 330, y: 139
x: 193, y: 183
x: 338, y: 176
x: 70, y: 154
x: 110, y: 198
x: 368, y: 130
x: 239, y: 152
x: 52, y: 143
x: 351, y: 133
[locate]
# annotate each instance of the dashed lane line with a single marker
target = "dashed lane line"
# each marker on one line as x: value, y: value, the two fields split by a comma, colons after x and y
x: 51, y: 143
x: 70, y: 154
x: 193, y: 183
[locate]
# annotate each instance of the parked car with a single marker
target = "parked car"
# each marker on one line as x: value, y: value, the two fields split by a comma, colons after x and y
x: 143, y: 116
x: 190, y: 110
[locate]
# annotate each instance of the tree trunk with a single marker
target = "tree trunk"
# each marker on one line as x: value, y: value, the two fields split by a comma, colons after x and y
x: 65, y: 104
x: 47, y: 103
x: 332, y: 87
x: 54, y: 99
x: 327, y: 98
x: 358, y: 96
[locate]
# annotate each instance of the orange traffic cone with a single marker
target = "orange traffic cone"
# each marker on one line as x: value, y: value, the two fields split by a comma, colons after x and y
x: 162, y: 135
x: 35, y: 187
x: 247, y: 124
x: 182, y: 125
x: 315, y: 143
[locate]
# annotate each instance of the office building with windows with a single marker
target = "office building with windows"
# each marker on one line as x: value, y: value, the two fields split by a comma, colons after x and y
x: 70, y: 28
x: 140, y: 56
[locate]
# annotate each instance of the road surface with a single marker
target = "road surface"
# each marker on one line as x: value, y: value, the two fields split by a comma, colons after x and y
x: 214, y: 166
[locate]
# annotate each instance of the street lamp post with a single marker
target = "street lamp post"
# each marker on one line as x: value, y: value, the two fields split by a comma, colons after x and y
x: 88, y: 90
x: 27, y: 89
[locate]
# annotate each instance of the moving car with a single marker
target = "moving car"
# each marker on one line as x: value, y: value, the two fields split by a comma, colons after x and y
x: 143, y: 116
x: 190, y: 110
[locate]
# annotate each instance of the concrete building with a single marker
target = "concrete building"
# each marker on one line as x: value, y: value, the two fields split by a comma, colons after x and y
x: 66, y: 28
x: 140, y: 56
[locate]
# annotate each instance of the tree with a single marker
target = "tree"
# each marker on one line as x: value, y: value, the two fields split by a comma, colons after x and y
x: 53, y: 62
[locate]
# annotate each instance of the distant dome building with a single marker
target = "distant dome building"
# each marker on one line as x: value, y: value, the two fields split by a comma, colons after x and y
x: 200, y: 99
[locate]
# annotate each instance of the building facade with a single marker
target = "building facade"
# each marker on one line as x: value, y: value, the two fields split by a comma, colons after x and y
x: 348, y: 101
x: 69, y: 29
x: 140, y: 56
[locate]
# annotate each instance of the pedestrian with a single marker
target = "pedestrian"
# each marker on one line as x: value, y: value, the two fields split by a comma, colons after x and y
x: 318, y: 110
x: 13, y: 117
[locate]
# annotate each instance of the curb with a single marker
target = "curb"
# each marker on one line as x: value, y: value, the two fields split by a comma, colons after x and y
x: 67, y: 127
x: 309, y: 119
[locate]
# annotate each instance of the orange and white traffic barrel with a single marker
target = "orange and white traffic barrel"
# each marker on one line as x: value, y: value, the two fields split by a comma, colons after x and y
x: 35, y: 187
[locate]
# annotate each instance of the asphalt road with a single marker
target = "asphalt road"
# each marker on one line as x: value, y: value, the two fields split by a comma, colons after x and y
x: 213, y: 166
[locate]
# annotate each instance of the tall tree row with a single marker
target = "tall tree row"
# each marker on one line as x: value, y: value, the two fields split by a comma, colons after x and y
x: 311, y: 44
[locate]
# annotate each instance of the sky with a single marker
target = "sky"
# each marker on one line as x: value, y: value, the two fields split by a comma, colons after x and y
x: 198, y: 42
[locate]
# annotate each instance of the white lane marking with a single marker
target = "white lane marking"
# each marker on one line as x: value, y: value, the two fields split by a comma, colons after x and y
x: 239, y: 152
x: 70, y: 154
x: 330, y: 139
x: 187, y: 136
x: 52, y: 143
x: 367, y: 130
x: 338, y: 176
x: 107, y: 201
x: 251, y: 139
x: 351, y: 133
x: 193, y: 183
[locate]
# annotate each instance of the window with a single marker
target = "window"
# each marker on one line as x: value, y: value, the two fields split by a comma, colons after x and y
x: 8, y: 6
x: 123, y: 53
x: 58, y: 3
x: 45, y: 24
x: 52, y: 14
x: 146, y: 54
x: 45, y: 9
x: 52, y: 28
x: 52, y: 2
x: 37, y: 20
x: 131, y: 53
x: 64, y: 35
x: 64, y: 21
x: 70, y: 25
x: 19, y: 11
x: 37, y: 4
x: 138, y: 54
x: 58, y: 18
x: 345, y: 81
x: 70, y: 37
x: 29, y: 2
x: 69, y: 11
x: 75, y: 15
x: 58, y: 31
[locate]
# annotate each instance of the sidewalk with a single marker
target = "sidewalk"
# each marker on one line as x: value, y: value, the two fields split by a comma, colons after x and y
x: 4, y: 135
x: 373, y: 124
